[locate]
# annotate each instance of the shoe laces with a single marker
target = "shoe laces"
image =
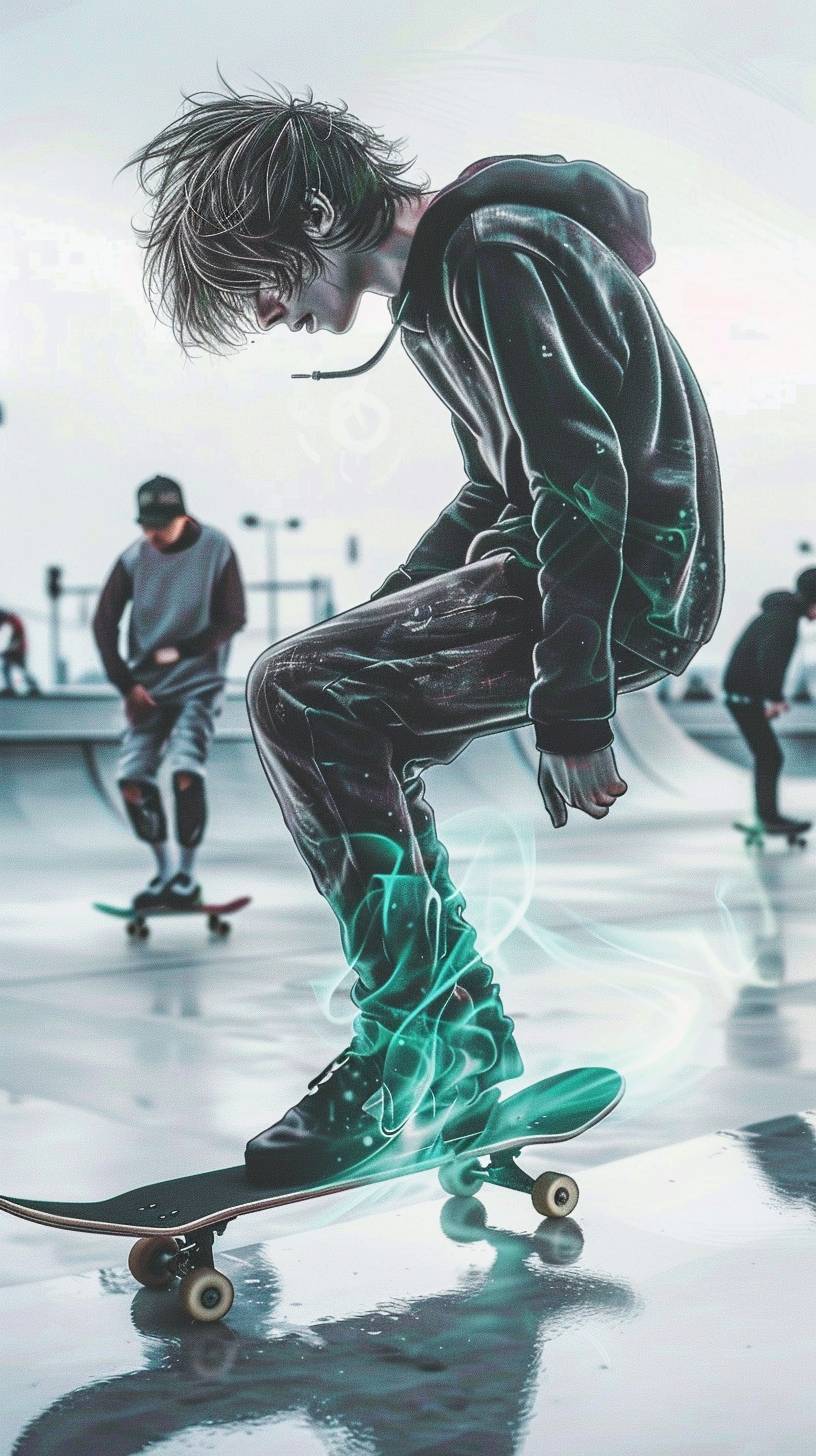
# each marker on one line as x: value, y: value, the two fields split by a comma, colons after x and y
x: 330, y: 1069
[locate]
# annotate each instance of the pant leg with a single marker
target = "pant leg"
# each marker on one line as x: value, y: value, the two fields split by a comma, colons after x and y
x: 193, y: 732
x: 767, y: 754
x: 189, y: 750
x: 332, y: 710
x: 140, y: 755
x: 142, y: 747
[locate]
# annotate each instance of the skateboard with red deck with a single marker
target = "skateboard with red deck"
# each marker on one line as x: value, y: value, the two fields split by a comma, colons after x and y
x: 136, y: 920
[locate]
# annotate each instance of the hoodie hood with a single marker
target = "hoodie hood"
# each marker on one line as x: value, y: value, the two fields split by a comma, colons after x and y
x: 591, y: 195
x: 782, y: 601
x: 601, y: 202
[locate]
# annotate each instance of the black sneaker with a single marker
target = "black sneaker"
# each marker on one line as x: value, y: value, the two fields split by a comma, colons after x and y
x: 151, y: 896
x: 347, y: 1119
x: 786, y: 826
x: 334, y: 1129
x: 181, y: 893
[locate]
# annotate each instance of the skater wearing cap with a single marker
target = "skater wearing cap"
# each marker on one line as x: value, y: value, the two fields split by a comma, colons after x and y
x: 754, y: 693
x: 187, y: 602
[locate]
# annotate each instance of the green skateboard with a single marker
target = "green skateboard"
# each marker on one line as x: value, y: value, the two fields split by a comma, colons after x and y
x: 756, y: 833
x: 136, y: 920
x: 176, y: 1221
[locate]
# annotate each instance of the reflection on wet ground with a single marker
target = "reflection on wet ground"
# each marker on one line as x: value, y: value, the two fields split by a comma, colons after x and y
x: 415, y: 1375
x: 437, y: 1330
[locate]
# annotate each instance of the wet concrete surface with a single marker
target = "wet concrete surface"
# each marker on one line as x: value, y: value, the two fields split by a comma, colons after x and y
x: 651, y: 1321
x: 389, y: 1320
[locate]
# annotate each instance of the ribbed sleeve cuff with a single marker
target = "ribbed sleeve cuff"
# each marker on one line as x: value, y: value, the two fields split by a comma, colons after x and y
x: 586, y: 735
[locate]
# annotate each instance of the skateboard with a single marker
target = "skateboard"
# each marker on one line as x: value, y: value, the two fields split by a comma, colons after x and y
x: 756, y: 834
x: 176, y: 1221
x: 136, y: 920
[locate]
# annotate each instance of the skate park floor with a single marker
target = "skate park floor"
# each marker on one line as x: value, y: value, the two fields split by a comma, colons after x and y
x: 672, y: 1313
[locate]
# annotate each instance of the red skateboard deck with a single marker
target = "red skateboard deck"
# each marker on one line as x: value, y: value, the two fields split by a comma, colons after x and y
x: 136, y: 920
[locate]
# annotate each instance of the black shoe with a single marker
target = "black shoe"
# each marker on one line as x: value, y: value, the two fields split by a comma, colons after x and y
x: 334, y: 1129
x: 781, y: 825
x: 347, y: 1120
x: 181, y: 893
x: 151, y: 897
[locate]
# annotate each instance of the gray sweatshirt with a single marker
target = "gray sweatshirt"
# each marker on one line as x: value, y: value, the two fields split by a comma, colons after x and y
x: 188, y: 596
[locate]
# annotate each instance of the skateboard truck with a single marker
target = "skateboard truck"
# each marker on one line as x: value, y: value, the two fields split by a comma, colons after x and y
x: 554, y: 1195
x: 205, y: 1293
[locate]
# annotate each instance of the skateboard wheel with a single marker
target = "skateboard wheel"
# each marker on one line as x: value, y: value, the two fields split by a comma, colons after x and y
x: 554, y: 1195
x: 463, y: 1220
x: 461, y: 1178
x: 206, y: 1295
x: 151, y: 1260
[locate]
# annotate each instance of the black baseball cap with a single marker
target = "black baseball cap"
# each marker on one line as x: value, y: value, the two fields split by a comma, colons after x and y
x: 159, y: 501
x: 806, y: 585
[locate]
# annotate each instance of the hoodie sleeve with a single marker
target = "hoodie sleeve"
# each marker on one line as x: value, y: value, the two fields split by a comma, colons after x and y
x: 774, y: 652
x: 114, y: 597
x: 578, y: 488
x: 444, y: 545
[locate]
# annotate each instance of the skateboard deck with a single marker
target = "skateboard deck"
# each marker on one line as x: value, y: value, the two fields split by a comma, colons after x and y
x: 136, y: 920
x: 756, y: 834
x: 176, y: 1220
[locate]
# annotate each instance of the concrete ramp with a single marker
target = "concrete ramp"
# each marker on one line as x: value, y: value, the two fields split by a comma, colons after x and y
x: 58, y: 773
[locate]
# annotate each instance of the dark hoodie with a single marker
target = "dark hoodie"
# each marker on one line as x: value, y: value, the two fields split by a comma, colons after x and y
x: 757, y: 666
x: 585, y: 437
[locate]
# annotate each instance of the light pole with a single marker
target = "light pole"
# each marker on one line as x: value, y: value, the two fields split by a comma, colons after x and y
x: 270, y: 530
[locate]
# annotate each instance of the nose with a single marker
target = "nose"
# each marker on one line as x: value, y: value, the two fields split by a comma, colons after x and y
x: 268, y: 309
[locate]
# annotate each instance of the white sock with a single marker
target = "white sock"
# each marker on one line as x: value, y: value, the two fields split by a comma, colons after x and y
x: 162, y: 861
x: 187, y: 858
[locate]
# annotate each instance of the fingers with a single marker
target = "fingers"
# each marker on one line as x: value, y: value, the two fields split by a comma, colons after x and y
x: 553, y: 802
x: 592, y: 808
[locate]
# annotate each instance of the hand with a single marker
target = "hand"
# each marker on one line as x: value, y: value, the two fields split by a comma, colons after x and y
x: 166, y: 656
x: 139, y: 704
x: 774, y: 710
x: 589, y: 782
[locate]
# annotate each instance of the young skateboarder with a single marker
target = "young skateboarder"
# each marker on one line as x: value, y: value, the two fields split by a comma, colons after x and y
x: 187, y: 602
x: 754, y: 690
x: 582, y: 556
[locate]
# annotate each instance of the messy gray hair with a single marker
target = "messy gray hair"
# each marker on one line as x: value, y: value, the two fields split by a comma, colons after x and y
x: 228, y: 182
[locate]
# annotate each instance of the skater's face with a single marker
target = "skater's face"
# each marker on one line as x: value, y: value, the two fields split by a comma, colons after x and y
x: 811, y: 612
x: 163, y: 536
x: 331, y: 301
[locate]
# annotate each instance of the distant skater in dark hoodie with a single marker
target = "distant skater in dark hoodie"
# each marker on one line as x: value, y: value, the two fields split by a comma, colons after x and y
x: 754, y: 690
x: 582, y: 557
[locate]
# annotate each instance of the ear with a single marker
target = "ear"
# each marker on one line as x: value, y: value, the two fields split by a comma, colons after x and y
x: 320, y: 215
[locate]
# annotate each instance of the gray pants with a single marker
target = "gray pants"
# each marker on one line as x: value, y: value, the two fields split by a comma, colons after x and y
x: 182, y: 732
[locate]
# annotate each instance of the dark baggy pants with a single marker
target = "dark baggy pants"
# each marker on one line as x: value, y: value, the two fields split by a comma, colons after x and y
x: 768, y: 758
x: 346, y: 716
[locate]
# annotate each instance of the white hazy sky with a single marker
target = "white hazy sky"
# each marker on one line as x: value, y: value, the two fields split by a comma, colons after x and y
x: 709, y: 109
